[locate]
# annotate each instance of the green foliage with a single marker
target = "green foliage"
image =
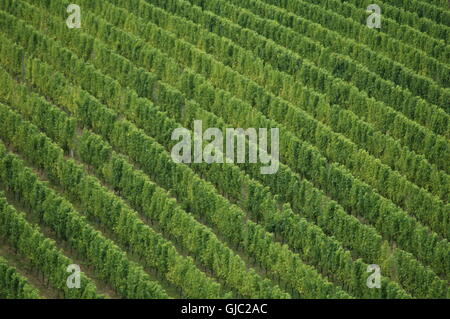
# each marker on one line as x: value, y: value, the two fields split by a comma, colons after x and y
x: 363, y: 117
x: 58, y: 214
x: 41, y: 252
x: 13, y: 285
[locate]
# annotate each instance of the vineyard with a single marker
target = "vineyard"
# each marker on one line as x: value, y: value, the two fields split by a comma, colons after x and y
x: 93, y: 204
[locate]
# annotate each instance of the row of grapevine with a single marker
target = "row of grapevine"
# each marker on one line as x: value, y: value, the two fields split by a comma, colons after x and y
x: 293, y: 238
x: 413, y: 107
x: 429, y: 143
x: 289, y: 9
x: 157, y: 207
x: 442, y: 4
x: 206, y: 97
x: 436, y: 10
x: 118, y: 98
x: 13, y: 285
x: 139, y: 113
x: 419, y: 208
x: 408, y: 35
x: 427, y: 251
x: 153, y: 250
x: 238, y: 268
x: 40, y: 252
x: 99, y: 115
x: 425, y: 25
x: 152, y: 123
x: 298, y: 47
x: 408, y: 133
x: 52, y: 210
x: 437, y: 184
x: 363, y: 176
x: 396, y: 49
